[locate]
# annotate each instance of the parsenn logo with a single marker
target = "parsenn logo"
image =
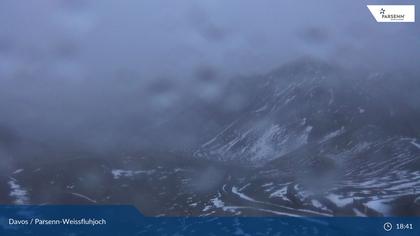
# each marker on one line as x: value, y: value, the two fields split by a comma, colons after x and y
x: 382, y: 11
x: 393, y: 13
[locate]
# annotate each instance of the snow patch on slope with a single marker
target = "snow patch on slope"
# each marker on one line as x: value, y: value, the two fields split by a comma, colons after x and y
x: 117, y: 173
x: 415, y: 144
x: 332, y: 135
x: 18, y: 193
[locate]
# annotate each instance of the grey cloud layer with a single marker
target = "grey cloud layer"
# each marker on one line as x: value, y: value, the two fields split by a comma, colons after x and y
x: 96, y: 74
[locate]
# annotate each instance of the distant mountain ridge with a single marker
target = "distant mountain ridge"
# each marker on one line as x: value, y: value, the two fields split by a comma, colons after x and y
x: 309, y: 102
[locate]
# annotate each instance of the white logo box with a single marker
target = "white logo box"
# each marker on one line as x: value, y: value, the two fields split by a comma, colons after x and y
x: 393, y: 13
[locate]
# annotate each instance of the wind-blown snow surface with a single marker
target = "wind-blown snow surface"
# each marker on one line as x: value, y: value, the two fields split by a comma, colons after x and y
x: 314, y: 140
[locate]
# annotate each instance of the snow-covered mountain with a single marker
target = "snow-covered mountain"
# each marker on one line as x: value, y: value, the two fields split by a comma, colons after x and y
x: 313, y: 140
x: 308, y: 103
x: 327, y: 138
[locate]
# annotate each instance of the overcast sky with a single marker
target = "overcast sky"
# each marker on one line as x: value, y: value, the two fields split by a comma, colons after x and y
x: 166, y: 37
x: 60, y: 58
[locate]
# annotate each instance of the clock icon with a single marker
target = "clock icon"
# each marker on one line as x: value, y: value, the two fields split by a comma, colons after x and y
x: 387, y: 226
